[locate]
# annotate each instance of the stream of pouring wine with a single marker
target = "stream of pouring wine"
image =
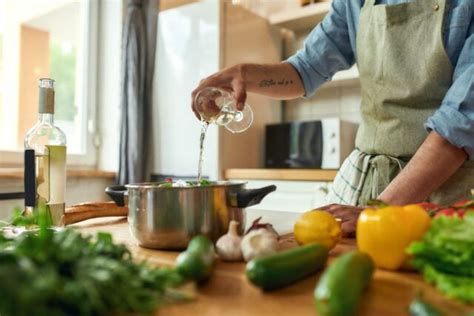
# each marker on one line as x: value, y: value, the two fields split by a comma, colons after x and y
x: 204, y: 126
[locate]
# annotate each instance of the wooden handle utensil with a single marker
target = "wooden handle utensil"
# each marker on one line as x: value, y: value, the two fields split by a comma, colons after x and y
x: 81, y: 212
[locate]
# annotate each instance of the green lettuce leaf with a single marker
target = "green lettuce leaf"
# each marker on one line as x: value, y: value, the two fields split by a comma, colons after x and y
x: 445, y: 256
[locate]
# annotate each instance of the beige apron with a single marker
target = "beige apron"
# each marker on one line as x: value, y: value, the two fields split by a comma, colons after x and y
x: 405, y: 74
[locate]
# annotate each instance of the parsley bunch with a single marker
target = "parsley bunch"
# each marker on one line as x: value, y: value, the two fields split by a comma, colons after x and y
x: 44, y: 272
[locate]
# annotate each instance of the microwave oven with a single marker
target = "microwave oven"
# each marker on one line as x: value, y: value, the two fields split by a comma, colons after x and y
x: 322, y: 144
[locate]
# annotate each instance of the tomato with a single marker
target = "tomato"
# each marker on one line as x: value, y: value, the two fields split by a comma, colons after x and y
x: 465, y: 204
x: 429, y: 207
x: 451, y: 212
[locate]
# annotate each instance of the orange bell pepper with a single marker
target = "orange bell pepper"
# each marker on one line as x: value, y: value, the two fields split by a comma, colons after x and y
x: 386, y: 232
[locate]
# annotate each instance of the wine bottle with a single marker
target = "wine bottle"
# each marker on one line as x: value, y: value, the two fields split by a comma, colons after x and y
x: 49, y: 143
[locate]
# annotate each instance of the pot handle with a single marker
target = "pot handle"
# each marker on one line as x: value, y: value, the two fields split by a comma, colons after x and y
x: 117, y: 194
x: 251, y: 197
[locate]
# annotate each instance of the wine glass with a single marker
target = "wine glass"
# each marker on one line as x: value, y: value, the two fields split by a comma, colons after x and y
x: 217, y: 106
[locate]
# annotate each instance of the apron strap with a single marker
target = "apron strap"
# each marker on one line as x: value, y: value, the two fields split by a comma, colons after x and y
x: 380, y: 165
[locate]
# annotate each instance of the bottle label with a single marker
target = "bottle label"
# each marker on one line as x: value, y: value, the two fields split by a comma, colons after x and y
x: 51, y: 181
x: 57, y: 173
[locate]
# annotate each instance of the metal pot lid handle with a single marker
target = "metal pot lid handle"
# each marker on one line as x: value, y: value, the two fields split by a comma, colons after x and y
x: 250, y: 197
x: 117, y: 193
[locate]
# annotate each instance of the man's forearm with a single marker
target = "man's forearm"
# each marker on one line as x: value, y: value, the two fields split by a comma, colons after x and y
x: 280, y: 81
x: 435, y: 162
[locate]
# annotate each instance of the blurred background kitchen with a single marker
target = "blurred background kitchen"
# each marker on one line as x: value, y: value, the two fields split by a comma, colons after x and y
x: 82, y: 44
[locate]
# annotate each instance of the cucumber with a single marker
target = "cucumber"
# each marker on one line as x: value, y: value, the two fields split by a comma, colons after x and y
x: 340, y: 287
x: 201, y: 244
x: 197, y: 262
x: 283, y: 268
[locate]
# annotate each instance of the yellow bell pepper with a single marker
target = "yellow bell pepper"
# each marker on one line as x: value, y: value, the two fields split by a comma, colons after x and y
x: 386, y: 232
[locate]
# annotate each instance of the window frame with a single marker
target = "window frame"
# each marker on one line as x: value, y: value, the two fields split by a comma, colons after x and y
x: 89, y: 51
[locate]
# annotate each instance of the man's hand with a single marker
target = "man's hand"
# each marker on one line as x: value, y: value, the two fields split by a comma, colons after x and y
x: 230, y: 79
x: 279, y: 81
x: 348, y: 216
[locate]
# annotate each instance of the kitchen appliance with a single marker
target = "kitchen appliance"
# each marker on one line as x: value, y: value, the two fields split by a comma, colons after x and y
x: 168, y: 217
x: 322, y: 144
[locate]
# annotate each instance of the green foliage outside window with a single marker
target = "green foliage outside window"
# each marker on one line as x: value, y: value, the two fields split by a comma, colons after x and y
x: 63, y: 71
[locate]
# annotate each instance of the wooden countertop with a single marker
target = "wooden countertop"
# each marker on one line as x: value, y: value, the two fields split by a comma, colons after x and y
x: 17, y: 173
x: 229, y: 293
x: 281, y: 174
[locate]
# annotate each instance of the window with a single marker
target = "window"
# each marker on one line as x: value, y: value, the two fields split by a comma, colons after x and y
x: 55, y: 39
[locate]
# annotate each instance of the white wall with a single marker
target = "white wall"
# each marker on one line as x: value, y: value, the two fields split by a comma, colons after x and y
x: 342, y: 102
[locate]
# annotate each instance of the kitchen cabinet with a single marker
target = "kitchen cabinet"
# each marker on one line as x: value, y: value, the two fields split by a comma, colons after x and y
x: 282, y: 174
x: 195, y: 41
x: 298, y: 21
x: 290, y: 195
x: 300, y: 18
x: 298, y: 190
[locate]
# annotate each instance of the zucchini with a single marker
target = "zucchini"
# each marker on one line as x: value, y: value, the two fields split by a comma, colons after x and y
x: 197, y: 262
x: 340, y: 287
x: 283, y: 268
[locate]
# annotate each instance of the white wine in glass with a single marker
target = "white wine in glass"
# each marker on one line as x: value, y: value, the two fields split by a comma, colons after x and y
x: 217, y: 106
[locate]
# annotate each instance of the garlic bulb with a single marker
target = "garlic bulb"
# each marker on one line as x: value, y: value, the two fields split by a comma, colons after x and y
x: 259, y: 243
x: 228, y: 245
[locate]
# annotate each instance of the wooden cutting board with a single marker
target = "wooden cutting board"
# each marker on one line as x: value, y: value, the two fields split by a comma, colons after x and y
x: 229, y: 293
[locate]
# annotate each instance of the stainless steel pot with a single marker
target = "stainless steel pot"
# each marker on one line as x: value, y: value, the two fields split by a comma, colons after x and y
x: 167, y: 218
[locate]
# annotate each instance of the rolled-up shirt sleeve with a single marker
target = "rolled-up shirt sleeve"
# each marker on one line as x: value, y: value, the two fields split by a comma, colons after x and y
x: 326, y: 50
x: 454, y: 120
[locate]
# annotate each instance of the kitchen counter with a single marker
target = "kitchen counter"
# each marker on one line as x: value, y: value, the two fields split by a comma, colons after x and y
x: 281, y: 174
x: 229, y: 293
x: 17, y: 173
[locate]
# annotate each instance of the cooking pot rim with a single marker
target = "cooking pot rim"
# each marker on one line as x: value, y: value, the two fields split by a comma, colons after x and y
x: 155, y: 185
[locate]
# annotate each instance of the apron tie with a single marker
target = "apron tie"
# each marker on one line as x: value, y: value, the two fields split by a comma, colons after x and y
x: 380, y: 164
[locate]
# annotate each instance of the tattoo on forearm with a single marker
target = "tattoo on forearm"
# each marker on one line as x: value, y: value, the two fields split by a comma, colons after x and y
x: 270, y: 82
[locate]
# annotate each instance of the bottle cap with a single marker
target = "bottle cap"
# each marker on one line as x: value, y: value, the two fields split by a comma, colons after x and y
x: 46, y: 95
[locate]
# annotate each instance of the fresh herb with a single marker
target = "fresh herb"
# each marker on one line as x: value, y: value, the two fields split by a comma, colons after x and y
x: 166, y: 185
x: 446, y: 256
x: 377, y: 203
x: 204, y: 183
x: 43, y: 272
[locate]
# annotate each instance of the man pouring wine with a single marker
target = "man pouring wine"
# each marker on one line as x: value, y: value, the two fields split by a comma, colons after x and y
x: 416, y: 65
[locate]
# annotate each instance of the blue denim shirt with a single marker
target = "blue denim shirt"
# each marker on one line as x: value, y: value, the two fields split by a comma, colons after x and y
x: 331, y: 47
